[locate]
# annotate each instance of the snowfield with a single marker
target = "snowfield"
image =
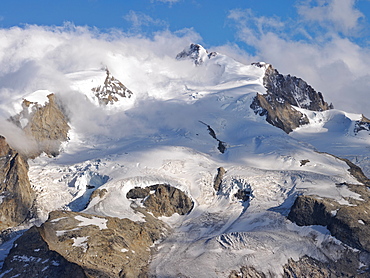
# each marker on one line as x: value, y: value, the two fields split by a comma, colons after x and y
x: 161, y: 135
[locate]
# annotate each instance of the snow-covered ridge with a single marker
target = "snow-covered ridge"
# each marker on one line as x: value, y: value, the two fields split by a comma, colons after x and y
x: 197, y: 53
x: 167, y: 135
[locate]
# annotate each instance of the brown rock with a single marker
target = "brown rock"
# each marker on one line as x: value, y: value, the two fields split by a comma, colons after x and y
x: 112, y: 88
x: 350, y: 224
x: 103, y: 246
x: 218, y: 179
x: 281, y: 115
x: 247, y: 272
x: 307, y: 267
x: 284, y: 92
x: 47, y: 125
x: 31, y: 257
x: 165, y: 201
x: 17, y: 197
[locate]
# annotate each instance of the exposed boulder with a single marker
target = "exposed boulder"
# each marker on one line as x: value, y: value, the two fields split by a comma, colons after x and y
x: 31, y: 257
x: 162, y: 199
x: 111, y: 91
x: 243, y: 194
x: 16, y: 194
x: 283, y: 92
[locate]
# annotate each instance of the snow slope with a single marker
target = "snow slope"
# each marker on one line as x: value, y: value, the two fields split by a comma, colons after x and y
x: 162, y: 135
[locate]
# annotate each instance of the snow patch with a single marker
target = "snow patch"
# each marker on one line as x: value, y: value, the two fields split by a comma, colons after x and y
x: 96, y: 221
x: 81, y: 242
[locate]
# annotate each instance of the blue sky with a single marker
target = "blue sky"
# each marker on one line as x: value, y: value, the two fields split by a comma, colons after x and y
x: 207, y: 17
x: 326, y: 42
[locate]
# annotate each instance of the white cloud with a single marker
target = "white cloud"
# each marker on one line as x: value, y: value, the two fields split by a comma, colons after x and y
x: 329, y: 61
x: 36, y: 57
x: 339, y: 15
x: 139, y: 19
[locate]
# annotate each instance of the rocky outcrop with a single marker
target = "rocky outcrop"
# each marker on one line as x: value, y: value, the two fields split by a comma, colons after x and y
x: 221, y: 145
x: 307, y: 267
x: 279, y: 114
x: 218, y: 179
x: 100, y: 246
x: 362, y: 124
x: 16, y: 195
x: 111, y: 91
x: 162, y: 199
x: 293, y: 90
x: 284, y: 92
x: 197, y: 53
x: 32, y: 257
x: 46, y: 124
x: 350, y: 224
x: 247, y: 272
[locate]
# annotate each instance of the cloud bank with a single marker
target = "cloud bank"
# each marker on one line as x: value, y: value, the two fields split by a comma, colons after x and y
x: 318, y: 46
x: 321, y: 50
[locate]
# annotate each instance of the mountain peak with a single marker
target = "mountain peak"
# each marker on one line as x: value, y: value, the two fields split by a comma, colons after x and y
x: 111, y: 90
x: 197, y: 53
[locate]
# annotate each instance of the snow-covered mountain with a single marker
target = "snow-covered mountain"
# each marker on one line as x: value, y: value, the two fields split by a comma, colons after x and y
x: 230, y: 170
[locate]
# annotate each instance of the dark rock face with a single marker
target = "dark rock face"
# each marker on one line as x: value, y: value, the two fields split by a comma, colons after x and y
x: 222, y: 146
x: 350, y: 224
x: 16, y: 195
x: 111, y: 90
x: 293, y: 90
x: 243, y: 194
x: 307, y: 267
x: 93, y: 246
x: 218, y: 179
x: 196, y: 53
x: 31, y: 257
x: 47, y: 124
x: 162, y: 199
x: 283, y: 92
x: 281, y: 115
x: 363, y: 124
x: 247, y: 272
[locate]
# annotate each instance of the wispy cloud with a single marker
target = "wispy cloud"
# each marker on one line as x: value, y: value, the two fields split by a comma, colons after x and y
x: 139, y: 20
x: 336, y: 16
x: 317, y: 46
x: 36, y: 57
x: 166, y: 1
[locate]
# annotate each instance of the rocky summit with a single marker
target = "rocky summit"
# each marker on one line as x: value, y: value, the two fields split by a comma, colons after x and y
x: 111, y: 90
x: 211, y: 168
x: 283, y: 93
